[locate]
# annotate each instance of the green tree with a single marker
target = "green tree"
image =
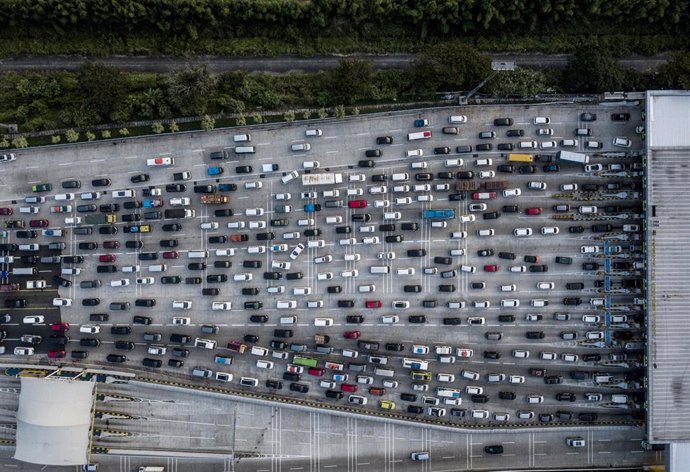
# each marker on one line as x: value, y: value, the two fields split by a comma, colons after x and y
x: 105, y: 134
x: 188, y: 90
x: 350, y: 82
x: 306, y: 114
x: 152, y: 101
x: 103, y: 88
x: 322, y: 113
x: 174, y: 128
x: 675, y: 74
x: 241, y: 120
x: 289, y: 116
x: 55, y: 139
x: 123, y: 132
x: 90, y: 136
x: 339, y: 111
x: 448, y: 66
x: 257, y: 117
x: 20, y: 142
x: 157, y: 127
x: 71, y: 136
x: 592, y: 70
x: 518, y: 83
x: 208, y: 123
x: 355, y: 111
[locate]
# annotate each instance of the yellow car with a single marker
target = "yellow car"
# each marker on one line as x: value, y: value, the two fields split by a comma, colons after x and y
x: 387, y: 405
x: 421, y: 375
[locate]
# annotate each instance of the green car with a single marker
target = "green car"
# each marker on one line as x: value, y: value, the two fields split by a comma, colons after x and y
x: 42, y: 188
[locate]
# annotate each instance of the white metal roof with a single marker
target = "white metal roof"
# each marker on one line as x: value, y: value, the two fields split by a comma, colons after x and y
x: 668, y: 118
x: 54, y: 421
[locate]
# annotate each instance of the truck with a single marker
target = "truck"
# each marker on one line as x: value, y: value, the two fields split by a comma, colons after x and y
x: 574, y: 157
x: 214, y: 198
x: 9, y: 287
x: 100, y: 219
x: 496, y: 185
x: 223, y: 360
x: 442, y: 214
x: 447, y: 392
x: 160, y: 161
x: 177, y: 176
x: 322, y: 179
x: 466, y: 185
x: 179, y: 213
x: 237, y: 346
x: 426, y: 134
x: 321, y: 339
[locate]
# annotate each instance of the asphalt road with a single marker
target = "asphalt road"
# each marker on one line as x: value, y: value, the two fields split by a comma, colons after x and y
x: 284, y: 64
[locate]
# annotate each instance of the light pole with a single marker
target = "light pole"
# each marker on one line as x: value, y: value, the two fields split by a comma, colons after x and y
x: 496, y: 67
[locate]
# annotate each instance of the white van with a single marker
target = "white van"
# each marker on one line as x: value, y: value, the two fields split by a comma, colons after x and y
x: 259, y: 351
x: 414, y: 153
x: 288, y: 320
x: 469, y: 269
x: 379, y: 269
x: 221, y: 306
x: 90, y: 329
x: 122, y: 194
x: 457, y: 119
x: 453, y: 162
x: 261, y: 364
x: 198, y: 254
x: 323, y: 321
x: 290, y: 176
x: 245, y: 150
x: 64, y: 196
x: 158, y: 268
x: 182, y: 304
x: 527, y: 145
x: 242, y: 138
x: 400, y: 177
x: 286, y: 304
x: 366, y: 288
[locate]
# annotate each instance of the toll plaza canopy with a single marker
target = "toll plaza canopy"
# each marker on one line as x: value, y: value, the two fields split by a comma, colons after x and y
x: 667, y: 184
x: 54, y: 421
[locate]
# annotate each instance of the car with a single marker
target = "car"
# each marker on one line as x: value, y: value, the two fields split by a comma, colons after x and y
x: 620, y: 116
x: 494, y: 449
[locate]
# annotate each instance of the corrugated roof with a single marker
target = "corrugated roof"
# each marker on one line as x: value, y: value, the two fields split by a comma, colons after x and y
x: 668, y: 252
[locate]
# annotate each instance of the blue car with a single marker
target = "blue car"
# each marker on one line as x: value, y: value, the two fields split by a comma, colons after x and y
x: 421, y: 123
x: 227, y: 187
x: 312, y: 207
x: 217, y: 170
x: 340, y: 377
x: 148, y: 203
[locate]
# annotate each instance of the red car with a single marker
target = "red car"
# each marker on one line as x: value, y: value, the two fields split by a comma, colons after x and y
x: 491, y: 268
x: 6, y: 211
x: 106, y: 258
x: 111, y: 244
x: 56, y: 353
x: 62, y: 327
x: 39, y: 223
x: 348, y: 388
x: 373, y: 304
x: 352, y: 334
x: 171, y: 255
x: 484, y: 196
x: 533, y: 211
x: 357, y: 204
x: 316, y: 371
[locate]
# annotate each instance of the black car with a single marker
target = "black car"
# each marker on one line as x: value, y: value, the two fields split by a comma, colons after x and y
x: 16, y: 303
x: 572, y: 301
x: 205, y: 189
x: 409, y: 226
x: 148, y: 256
x: 253, y: 305
x: 71, y: 184
x: 484, y: 147
x: 354, y: 319
x: 259, y: 319
x: 366, y: 163
x: 588, y: 116
x: 416, y: 319
x: 505, y: 147
x: 527, y: 169
x: 301, y: 388
x: 138, y: 178
x: 223, y: 212
x: 298, y: 276
x: 566, y: 397
x: 217, y: 239
x: 180, y: 338
x: 507, y: 255
x: 456, y: 197
x: 372, y: 153
x: 574, y: 286
x: 534, y: 335
x: 73, y: 259
x: 553, y: 379
x: 539, y: 268
x: 250, y: 291
x: 251, y: 338
x: 416, y: 252
x: 216, y: 278
x: 101, y: 182
x: 591, y: 357
x: 142, y: 320
x: 515, y: 133
x: 492, y: 355
x: 379, y: 178
x: 278, y: 222
x: 243, y: 169
x: 79, y: 354
x: 620, y: 116
x: 412, y: 288
x: 62, y: 282
x: 175, y: 188
x: 395, y: 238
x: 384, y: 140
x: 107, y: 230
x: 479, y: 398
x: 497, y: 449
x: 124, y: 345
x: 505, y: 168
x: 590, y: 187
x: 171, y: 279
x: 491, y: 215
x: 442, y: 150
x: 168, y: 243
x: 91, y: 301
x: 145, y: 302
x: 503, y: 122
x: 362, y: 217
x: 506, y: 318
x: 395, y: 347
x: 134, y: 244
x: 116, y: 358
x: 587, y: 416
x: 89, y: 342
x: 564, y: 260
x: 423, y: 177
x: 30, y: 234
x: 503, y: 395
x: 346, y: 304
x: 132, y: 205
x: 131, y: 218
x: 348, y: 229
x: 312, y: 232
x: 452, y: 321
x: 274, y: 384
x: 576, y: 229
x: 192, y: 280
x: 464, y: 175
x: 120, y: 330
x: 222, y: 264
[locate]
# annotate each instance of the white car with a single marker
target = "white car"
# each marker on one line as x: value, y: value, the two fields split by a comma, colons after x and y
x: 283, y: 196
x: 516, y: 379
x: 593, y: 167
x: 477, y: 207
x: 403, y: 201
x: 221, y: 306
x: 569, y: 357
x: 371, y: 240
x: 254, y: 212
x: 386, y: 255
x: 483, y: 162
x: 145, y: 281
x: 357, y: 178
x: 256, y: 249
x: 589, y: 249
x: 33, y: 319
x: 467, y: 218
x: 522, y: 232
x: 257, y: 224
x: 548, y: 144
x: 420, y: 349
x: 548, y: 356
x: 242, y: 277
x: 349, y: 273
x: 535, y: 399
x: 62, y: 302
x: 406, y: 271
x: 588, y: 209
x: 569, y: 187
x: 378, y: 190
x: 481, y: 304
x: 382, y: 203
x: 519, y: 268
x: 390, y: 319
x: 323, y: 259
x: 297, y: 251
x: 119, y: 283
x: 209, y: 225
x: 591, y: 318
x: 487, y: 174
x: 442, y: 187
x: 512, y: 192
x: 536, y: 185
x: 622, y: 142
x: 546, y: 285
x: 445, y: 377
x: 292, y: 235
x: 549, y: 230
x: 324, y: 276
x: 181, y: 320
x: 313, y: 132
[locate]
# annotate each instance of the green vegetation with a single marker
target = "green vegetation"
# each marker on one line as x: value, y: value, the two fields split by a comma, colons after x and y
x: 97, y: 94
x: 273, y: 27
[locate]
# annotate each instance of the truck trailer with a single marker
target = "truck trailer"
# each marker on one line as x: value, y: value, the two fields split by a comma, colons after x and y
x: 574, y: 157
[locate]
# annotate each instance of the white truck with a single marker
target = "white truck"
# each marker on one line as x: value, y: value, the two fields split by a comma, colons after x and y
x: 322, y: 179
x: 426, y: 134
x: 574, y: 157
x: 160, y: 161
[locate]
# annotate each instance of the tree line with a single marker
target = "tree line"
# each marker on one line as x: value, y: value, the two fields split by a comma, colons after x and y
x: 298, y: 19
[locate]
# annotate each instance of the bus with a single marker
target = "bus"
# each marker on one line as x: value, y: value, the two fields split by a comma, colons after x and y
x: 443, y: 214
x: 305, y: 361
x: 520, y: 158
